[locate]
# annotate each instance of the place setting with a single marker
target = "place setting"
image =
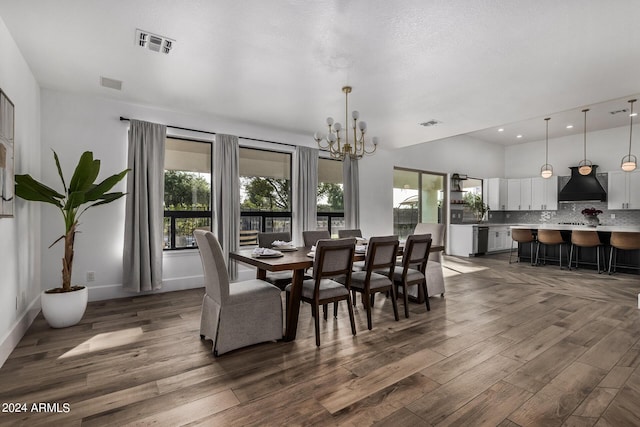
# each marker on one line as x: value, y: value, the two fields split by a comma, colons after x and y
x: 283, y: 246
x: 266, y: 253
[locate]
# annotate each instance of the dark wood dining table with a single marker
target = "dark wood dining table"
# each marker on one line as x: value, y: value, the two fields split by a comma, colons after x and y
x: 297, y: 261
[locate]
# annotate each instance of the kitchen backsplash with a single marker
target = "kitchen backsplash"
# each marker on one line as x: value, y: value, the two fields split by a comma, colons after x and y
x: 566, y: 213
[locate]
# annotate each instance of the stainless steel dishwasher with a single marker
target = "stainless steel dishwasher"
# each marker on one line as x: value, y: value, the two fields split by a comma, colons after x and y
x: 480, y: 239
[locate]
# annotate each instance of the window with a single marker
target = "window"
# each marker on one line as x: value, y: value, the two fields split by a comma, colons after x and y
x: 187, y: 191
x: 265, y: 193
x: 330, y: 196
x: 417, y: 197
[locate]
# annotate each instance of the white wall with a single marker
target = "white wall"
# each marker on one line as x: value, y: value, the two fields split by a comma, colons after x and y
x: 72, y: 124
x: 604, y: 148
x: 20, y: 235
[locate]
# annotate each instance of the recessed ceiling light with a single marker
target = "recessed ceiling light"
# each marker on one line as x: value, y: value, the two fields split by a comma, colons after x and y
x: 569, y: 126
x: 633, y: 115
x: 518, y: 136
x: 501, y: 130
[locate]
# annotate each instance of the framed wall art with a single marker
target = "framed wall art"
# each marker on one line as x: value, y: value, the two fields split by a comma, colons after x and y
x: 7, y: 184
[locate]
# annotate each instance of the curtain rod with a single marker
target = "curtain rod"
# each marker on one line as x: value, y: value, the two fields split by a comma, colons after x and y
x: 126, y: 119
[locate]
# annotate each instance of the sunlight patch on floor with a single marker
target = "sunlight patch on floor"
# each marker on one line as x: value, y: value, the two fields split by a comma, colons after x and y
x: 105, y: 341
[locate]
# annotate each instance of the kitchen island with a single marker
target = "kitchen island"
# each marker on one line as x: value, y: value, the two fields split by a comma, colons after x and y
x: 627, y: 261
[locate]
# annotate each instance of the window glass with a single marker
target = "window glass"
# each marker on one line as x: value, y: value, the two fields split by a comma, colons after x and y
x: 330, y: 196
x: 418, y: 196
x: 265, y: 193
x: 187, y: 191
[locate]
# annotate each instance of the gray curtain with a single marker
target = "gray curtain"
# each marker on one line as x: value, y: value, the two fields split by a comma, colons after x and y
x: 351, y: 193
x: 226, y: 196
x: 305, y: 192
x: 143, y: 234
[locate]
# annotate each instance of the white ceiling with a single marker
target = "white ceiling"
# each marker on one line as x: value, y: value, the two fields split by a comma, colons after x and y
x: 472, y: 65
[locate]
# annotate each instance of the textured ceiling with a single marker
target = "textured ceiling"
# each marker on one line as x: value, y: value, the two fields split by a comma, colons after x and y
x: 471, y: 65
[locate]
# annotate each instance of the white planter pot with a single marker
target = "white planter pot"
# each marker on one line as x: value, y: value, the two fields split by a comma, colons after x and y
x: 64, y: 309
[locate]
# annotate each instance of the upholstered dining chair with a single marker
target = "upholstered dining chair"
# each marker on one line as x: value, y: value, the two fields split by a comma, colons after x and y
x: 238, y: 314
x: 311, y: 237
x: 434, y: 273
x: 377, y: 275
x: 414, y: 265
x: 333, y: 259
x: 278, y: 278
x: 349, y: 233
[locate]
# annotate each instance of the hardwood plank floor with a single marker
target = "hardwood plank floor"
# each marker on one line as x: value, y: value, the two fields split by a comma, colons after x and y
x: 508, y: 345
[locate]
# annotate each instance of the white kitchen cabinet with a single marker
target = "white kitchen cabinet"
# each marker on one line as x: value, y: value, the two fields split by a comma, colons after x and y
x: 544, y: 194
x: 495, y: 193
x: 499, y: 238
x: 623, y: 190
x: 519, y: 194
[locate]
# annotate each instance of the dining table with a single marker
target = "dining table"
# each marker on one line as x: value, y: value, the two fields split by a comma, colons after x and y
x: 298, y: 261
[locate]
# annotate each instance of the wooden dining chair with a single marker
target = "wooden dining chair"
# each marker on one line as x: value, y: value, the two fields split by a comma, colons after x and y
x: 333, y: 259
x: 377, y: 275
x: 278, y: 278
x: 414, y: 264
x: 350, y: 233
x: 312, y: 236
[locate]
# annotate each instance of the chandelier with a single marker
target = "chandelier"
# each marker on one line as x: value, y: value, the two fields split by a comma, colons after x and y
x: 337, y: 143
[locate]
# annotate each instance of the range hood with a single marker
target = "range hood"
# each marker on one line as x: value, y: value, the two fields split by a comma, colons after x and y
x: 582, y: 188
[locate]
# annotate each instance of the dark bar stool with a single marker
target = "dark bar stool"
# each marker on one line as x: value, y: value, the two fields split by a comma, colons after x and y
x: 623, y: 240
x: 521, y: 235
x: 586, y: 239
x: 549, y: 238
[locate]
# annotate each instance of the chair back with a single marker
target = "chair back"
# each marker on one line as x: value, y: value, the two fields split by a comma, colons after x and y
x: 349, y: 233
x: 550, y: 237
x: 437, y: 232
x: 585, y: 238
x: 333, y: 258
x: 216, y: 277
x: 416, y: 253
x: 265, y: 240
x: 522, y: 235
x: 311, y: 237
x: 625, y: 240
x: 381, y: 254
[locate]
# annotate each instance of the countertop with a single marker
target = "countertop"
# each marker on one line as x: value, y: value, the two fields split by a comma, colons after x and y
x: 571, y: 227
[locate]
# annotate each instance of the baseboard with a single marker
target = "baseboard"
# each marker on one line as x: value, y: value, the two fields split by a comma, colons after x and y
x: 104, y: 292
x: 13, y: 337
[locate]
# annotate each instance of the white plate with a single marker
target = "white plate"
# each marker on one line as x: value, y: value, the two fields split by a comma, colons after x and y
x: 268, y: 256
x: 285, y: 248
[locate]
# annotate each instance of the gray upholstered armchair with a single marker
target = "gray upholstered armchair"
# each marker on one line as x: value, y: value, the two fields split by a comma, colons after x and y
x: 238, y: 314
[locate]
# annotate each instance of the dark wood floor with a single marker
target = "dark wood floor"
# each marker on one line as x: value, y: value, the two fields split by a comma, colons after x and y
x: 508, y: 345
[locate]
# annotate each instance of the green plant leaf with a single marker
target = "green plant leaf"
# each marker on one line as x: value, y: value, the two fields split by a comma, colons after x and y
x: 64, y: 184
x: 29, y: 189
x: 96, y: 192
x: 107, y: 198
x: 85, y: 174
x: 75, y: 199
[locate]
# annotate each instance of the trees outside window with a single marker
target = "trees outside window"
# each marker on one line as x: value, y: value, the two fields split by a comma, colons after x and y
x: 330, y: 202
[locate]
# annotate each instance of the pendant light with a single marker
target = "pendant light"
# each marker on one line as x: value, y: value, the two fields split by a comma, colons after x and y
x: 630, y: 162
x: 585, y: 166
x: 546, y: 171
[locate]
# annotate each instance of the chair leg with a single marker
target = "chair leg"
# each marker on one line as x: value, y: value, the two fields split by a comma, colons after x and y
x: 394, y: 302
x: 406, y: 300
x: 610, y: 259
x: 426, y: 295
x: 351, y: 318
x: 570, y: 257
x: 316, y: 320
x: 366, y: 299
x: 353, y: 297
x: 538, y: 253
x: 335, y: 309
x: 324, y: 311
x: 511, y: 251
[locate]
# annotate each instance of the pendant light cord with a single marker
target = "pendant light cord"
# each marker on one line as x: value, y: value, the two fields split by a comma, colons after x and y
x: 585, y: 133
x: 631, y: 124
x: 546, y: 145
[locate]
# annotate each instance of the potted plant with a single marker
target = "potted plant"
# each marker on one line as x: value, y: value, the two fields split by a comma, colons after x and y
x: 475, y: 204
x: 65, y: 306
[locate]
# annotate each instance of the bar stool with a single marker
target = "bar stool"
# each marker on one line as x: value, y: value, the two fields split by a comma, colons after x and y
x: 522, y: 235
x: 550, y: 238
x: 624, y: 240
x: 586, y: 239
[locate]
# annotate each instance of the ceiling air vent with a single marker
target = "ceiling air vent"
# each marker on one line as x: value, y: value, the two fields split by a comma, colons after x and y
x: 154, y: 42
x: 624, y: 110
x: 110, y: 83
